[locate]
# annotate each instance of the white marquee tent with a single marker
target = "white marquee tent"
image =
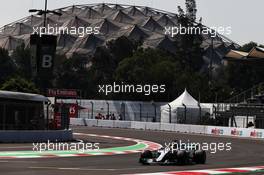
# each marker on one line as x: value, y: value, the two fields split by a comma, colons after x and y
x: 185, y: 109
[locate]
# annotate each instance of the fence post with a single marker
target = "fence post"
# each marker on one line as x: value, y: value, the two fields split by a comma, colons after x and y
x: 185, y: 111
x: 47, y: 113
x: 123, y: 108
x: 140, y: 112
x: 155, y: 112
x: 107, y: 109
x: 169, y: 112
x: 92, y: 117
x: 200, y: 113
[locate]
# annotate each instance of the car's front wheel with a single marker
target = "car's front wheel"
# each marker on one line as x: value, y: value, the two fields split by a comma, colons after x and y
x: 147, y: 154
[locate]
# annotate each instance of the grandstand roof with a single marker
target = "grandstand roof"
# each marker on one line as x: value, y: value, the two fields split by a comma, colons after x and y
x: 10, y: 42
x: 257, y: 53
x: 113, y: 20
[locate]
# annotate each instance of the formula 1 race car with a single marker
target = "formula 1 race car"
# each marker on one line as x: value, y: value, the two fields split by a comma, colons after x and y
x: 173, y: 157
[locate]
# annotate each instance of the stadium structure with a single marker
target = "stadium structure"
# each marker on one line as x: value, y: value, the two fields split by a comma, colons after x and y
x: 113, y: 21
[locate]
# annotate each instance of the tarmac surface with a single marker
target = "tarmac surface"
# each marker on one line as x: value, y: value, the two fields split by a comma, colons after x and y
x: 244, y: 153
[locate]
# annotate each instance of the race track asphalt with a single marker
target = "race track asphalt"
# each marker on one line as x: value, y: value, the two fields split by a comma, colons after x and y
x: 244, y: 153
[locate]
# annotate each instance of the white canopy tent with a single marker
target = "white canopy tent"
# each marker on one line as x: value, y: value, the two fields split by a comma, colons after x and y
x: 185, y: 109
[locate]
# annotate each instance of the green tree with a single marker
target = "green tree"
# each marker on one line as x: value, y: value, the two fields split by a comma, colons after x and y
x: 250, y: 72
x: 189, y: 47
x: 19, y: 84
x: 106, y: 59
x: 150, y: 66
x: 247, y: 47
x: 7, y: 66
x: 122, y: 48
x: 22, y: 56
x: 103, y: 65
x: 73, y: 73
x: 191, y: 10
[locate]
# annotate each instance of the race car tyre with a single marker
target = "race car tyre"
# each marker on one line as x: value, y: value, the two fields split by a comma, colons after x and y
x: 172, y: 156
x: 147, y: 154
x: 182, y: 157
x: 200, y: 157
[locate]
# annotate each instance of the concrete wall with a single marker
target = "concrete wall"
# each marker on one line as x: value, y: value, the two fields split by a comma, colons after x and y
x: 35, y: 136
x: 196, y: 129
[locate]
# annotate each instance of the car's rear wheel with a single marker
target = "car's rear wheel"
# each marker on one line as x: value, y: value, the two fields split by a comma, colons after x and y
x: 200, y: 157
x: 182, y: 157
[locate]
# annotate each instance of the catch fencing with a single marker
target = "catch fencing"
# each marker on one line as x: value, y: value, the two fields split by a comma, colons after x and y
x: 120, y: 110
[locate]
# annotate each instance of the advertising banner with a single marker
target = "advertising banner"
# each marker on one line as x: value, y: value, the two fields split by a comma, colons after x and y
x: 236, y: 132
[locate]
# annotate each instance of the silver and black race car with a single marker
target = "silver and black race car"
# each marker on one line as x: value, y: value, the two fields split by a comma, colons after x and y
x: 166, y: 156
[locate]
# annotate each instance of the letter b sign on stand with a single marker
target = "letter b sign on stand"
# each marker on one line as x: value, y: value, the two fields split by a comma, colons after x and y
x: 47, y: 61
x: 43, y: 54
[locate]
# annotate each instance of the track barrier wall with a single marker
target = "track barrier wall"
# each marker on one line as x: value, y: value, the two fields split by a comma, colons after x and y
x: 196, y: 129
x: 122, y: 124
x: 105, y: 123
x: 35, y: 136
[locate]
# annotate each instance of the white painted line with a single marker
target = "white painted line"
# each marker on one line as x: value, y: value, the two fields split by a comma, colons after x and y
x: 23, y: 157
x: 69, y: 168
x: 84, y: 169
x: 119, y: 152
x: 209, y: 171
x: 38, y: 167
x: 248, y: 168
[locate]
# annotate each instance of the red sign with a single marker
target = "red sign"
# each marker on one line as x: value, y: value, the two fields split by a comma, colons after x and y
x: 62, y: 93
x: 73, y: 110
x: 57, y: 119
x: 256, y: 134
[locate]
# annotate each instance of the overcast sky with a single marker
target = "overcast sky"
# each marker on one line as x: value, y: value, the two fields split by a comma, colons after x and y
x: 244, y: 16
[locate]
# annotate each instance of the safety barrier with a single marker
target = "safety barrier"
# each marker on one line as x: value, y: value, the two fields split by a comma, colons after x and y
x: 122, y: 124
x: 167, y: 127
x: 90, y: 122
x: 197, y: 129
x: 13, y: 136
x: 236, y: 132
x: 79, y: 122
x: 182, y: 128
x: 138, y: 125
x: 153, y: 126
x: 105, y: 123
